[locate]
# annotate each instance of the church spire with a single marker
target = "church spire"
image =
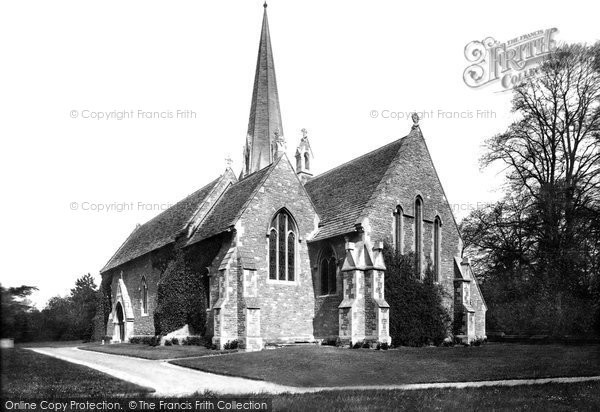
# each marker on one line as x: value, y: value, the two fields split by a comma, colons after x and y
x: 264, y: 140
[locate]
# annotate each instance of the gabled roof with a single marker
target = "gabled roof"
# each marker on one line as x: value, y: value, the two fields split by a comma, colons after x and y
x: 231, y: 205
x: 341, y: 194
x: 161, y: 230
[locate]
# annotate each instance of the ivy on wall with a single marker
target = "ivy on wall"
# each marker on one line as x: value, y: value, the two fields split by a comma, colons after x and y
x: 417, y: 313
x: 103, y: 307
x: 181, y: 298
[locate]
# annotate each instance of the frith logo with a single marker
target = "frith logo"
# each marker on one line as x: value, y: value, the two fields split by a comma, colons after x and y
x: 510, y: 62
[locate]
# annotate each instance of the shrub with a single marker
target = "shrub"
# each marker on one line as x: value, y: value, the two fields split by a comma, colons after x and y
x: 358, y: 345
x: 154, y: 340
x: 383, y: 346
x: 234, y: 344
x: 175, y: 341
x: 417, y: 313
x: 168, y: 342
x: 194, y: 341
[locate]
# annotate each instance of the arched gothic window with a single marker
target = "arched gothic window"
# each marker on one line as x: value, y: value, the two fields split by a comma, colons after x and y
x: 418, y: 235
x: 282, y: 247
x: 328, y: 272
x: 399, y: 229
x: 144, y: 296
x: 306, y: 161
x: 437, y: 228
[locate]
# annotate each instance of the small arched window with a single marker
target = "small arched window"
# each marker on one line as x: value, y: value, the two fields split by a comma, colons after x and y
x: 282, y: 247
x: 144, y: 296
x: 418, y: 235
x: 399, y: 229
x: 328, y: 272
x: 437, y: 246
x: 306, y: 161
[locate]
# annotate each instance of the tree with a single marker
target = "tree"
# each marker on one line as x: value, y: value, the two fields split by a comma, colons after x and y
x: 545, y: 232
x: 15, y: 310
x: 84, y: 301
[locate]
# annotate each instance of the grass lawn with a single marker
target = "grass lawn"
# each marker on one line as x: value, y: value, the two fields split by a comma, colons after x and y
x: 329, y: 366
x: 549, y: 397
x: 153, y: 352
x: 26, y: 374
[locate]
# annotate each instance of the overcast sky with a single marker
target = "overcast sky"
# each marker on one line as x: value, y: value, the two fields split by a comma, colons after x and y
x: 337, y: 62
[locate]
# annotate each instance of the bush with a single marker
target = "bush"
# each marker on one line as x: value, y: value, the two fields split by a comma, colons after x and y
x: 234, y: 344
x: 175, y: 341
x: 194, y: 341
x: 155, y: 340
x: 358, y: 345
x: 383, y: 346
x: 417, y: 313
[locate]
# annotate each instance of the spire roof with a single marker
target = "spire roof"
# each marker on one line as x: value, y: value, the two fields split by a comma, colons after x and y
x: 264, y: 124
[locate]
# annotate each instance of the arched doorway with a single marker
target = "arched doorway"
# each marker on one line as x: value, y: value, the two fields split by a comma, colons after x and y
x: 121, y: 321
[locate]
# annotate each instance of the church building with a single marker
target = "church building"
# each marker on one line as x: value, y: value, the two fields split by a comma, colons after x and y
x: 287, y: 256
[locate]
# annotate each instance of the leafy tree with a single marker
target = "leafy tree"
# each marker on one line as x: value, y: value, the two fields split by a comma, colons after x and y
x: 540, y: 246
x: 84, y: 301
x: 15, y: 311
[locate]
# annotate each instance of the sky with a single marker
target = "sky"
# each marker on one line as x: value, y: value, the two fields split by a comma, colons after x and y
x: 75, y: 184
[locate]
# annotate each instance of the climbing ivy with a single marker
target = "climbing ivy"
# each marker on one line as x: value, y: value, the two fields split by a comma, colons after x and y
x: 417, y: 313
x: 181, y: 298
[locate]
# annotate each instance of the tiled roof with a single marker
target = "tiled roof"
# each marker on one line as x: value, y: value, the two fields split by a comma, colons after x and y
x: 341, y: 194
x: 229, y: 207
x: 159, y: 231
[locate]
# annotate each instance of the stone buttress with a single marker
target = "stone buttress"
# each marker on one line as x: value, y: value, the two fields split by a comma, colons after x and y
x: 363, y: 313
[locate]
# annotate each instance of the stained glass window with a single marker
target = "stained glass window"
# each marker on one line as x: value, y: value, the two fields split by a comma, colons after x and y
x: 273, y: 254
x: 418, y: 235
x: 282, y: 247
x: 290, y: 255
x: 436, y: 248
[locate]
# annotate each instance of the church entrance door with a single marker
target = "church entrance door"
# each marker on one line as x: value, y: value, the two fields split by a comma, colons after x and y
x: 120, y: 319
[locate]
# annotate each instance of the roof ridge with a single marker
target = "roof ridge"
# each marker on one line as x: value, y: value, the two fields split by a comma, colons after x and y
x: 354, y: 159
x: 180, y: 201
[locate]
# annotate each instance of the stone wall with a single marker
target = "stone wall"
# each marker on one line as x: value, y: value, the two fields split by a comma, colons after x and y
x: 151, y: 266
x: 412, y: 174
x: 286, y: 307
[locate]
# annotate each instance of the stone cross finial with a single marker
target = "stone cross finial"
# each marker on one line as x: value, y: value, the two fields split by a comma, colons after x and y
x: 228, y: 161
x: 304, y: 133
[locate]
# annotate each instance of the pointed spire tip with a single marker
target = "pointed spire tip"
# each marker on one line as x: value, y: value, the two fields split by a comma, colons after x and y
x: 265, y: 5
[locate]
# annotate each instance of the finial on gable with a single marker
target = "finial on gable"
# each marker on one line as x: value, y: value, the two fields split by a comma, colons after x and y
x: 415, y: 119
x: 228, y: 161
x: 265, y: 5
x: 304, y: 157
